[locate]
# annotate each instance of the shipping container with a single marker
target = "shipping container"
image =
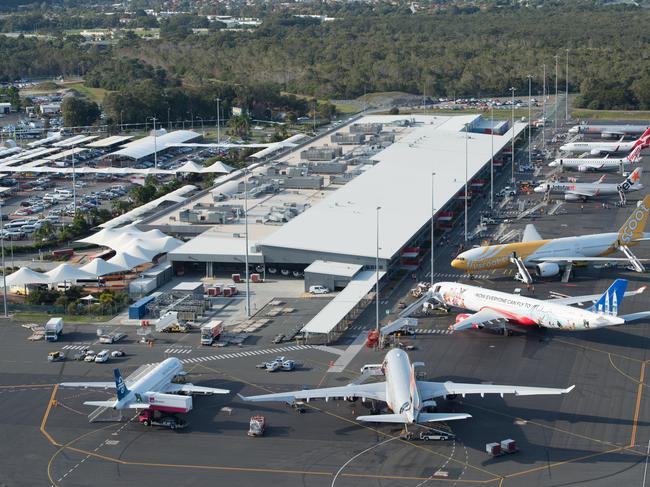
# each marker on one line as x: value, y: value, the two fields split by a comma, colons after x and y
x: 138, y: 310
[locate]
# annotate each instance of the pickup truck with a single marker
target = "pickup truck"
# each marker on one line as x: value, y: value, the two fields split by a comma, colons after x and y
x: 111, y: 337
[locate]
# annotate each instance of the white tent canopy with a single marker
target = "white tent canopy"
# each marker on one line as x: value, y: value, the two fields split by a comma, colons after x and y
x: 190, y: 166
x: 100, y: 267
x: 66, y: 272
x: 136, y: 250
x: 25, y: 275
x: 218, y: 167
x: 127, y: 261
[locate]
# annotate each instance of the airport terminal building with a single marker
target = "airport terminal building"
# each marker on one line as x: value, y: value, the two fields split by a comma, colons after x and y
x: 338, y: 208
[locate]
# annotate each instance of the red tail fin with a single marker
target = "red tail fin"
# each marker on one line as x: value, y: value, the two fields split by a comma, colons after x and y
x: 635, y: 154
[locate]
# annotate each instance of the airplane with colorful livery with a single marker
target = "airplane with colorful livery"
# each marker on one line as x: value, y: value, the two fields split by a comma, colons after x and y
x: 595, y: 148
x: 546, y: 256
x: 496, y: 309
x: 598, y: 165
x: 406, y: 396
x: 584, y: 191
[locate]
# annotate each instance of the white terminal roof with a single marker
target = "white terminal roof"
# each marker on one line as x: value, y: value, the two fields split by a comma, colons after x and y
x: 109, y: 141
x: 76, y: 140
x: 333, y: 268
x: 332, y: 314
x: 400, y: 184
x: 294, y: 139
x: 146, y: 146
x: 212, y: 247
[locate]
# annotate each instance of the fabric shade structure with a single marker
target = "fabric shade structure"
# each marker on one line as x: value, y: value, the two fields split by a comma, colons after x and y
x: 190, y: 167
x: 99, y: 267
x: 66, y: 272
x: 136, y: 250
x: 158, y: 245
x: 107, y: 234
x: 127, y: 261
x: 218, y: 167
x: 89, y: 298
x: 25, y: 275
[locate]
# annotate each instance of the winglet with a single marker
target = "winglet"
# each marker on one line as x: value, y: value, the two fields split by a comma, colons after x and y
x: 243, y: 398
x: 569, y: 389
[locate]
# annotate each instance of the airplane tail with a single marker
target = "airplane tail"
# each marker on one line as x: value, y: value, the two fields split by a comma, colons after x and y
x: 643, y: 140
x: 635, y: 154
x: 602, y: 179
x: 632, y: 182
x: 611, y: 299
x: 120, y: 385
x: 634, y: 226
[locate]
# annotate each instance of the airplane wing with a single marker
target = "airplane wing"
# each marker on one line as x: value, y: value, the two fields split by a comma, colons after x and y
x: 485, y: 318
x: 430, y: 390
x: 579, y: 258
x: 375, y: 390
x: 591, y: 297
x: 86, y: 385
x: 192, y: 389
x: 531, y: 234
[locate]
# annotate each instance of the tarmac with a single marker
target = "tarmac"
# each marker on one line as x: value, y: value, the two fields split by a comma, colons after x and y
x: 597, y: 435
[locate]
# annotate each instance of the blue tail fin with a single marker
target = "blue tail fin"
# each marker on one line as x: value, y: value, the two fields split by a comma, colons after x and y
x: 120, y: 386
x: 611, y: 299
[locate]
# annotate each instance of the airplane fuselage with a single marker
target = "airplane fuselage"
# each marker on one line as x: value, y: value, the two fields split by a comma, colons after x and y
x: 498, y: 256
x: 594, y: 189
x: 523, y: 310
x: 154, y: 381
x: 398, y: 372
x: 601, y: 147
x: 596, y: 164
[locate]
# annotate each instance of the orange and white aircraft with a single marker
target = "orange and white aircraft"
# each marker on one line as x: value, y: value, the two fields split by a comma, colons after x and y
x: 546, y: 256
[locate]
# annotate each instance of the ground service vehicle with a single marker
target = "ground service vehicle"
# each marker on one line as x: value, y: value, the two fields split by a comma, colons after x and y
x: 102, y: 356
x: 53, y: 328
x: 151, y: 417
x: 257, y: 426
x: 55, y: 357
x: 318, y: 290
x: 210, y: 332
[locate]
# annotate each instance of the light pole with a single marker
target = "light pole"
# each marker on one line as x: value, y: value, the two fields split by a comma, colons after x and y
x: 433, y: 212
x: 4, y: 269
x: 530, y: 124
x: 492, y: 157
x: 202, y: 129
x: 248, y: 288
x: 218, y: 121
x: 544, y: 108
x: 512, y: 146
x: 377, y: 275
x: 169, y: 120
x: 155, y: 143
x: 566, y: 87
x: 121, y: 121
x: 556, y: 57
x: 466, y: 175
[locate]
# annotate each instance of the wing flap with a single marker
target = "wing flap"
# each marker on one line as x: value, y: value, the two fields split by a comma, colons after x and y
x: 435, y: 417
x: 192, y: 389
x: 439, y: 389
x: 86, y: 385
x: 376, y: 390
x: 384, y: 418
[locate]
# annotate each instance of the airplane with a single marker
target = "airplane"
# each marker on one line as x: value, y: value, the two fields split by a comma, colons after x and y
x: 596, y: 148
x: 597, y: 165
x: 584, y: 191
x: 495, y: 309
x: 406, y: 396
x: 546, y: 255
x: 608, y: 131
x: 152, y: 389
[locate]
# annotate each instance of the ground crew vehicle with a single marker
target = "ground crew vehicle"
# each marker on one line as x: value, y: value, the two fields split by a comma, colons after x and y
x: 257, y: 426
x: 55, y: 356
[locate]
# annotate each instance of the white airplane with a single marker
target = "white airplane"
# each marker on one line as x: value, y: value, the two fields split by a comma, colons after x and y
x: 494, y: 309
x: 546, y: 255
x: 403, y: 393
x: 153, y: 388
x: 608, y: 131
x: 596, y: 148
x: 584, y: 191
x: 597, y: 165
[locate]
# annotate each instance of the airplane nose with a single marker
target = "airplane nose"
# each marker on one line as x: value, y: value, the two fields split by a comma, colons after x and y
x: 459, y: 264
x: 552, y: 164
x: 539, y: 189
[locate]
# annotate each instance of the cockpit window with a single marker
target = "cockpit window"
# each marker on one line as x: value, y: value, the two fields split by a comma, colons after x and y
x: 461, y: 258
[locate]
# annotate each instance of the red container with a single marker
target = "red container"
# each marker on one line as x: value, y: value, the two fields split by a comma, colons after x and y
x: 236, y: 278
x: 227, y: 292
x: 256, y: 278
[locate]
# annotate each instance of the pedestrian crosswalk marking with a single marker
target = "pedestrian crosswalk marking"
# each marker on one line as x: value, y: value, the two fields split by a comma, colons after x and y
x: 247, y: 353
x: 75, y: 347
x: 424, y: 331
x: 453, y: 275
x: 178, y: 350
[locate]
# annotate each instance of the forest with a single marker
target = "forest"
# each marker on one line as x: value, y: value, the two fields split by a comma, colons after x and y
x: 446, y: 53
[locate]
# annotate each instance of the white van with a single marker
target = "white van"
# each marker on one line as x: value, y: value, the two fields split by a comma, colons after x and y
x: 318, y: 290
x: 102, y: 356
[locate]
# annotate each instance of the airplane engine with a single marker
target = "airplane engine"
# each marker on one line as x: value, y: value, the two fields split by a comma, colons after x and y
x: 462, y: 316
x: 429, y: 404
x: 351, y: 398
x: 584, y: 168
x: 595, y: 152
x: 573, y: 197
x: 547, y: 269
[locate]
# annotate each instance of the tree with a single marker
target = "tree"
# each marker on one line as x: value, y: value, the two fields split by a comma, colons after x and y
x: 240, y: 125
x: 78, y: 112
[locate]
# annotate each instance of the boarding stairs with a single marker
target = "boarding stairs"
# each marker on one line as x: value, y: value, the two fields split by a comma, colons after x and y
x: 636, y: 263
x: 523, y: 273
